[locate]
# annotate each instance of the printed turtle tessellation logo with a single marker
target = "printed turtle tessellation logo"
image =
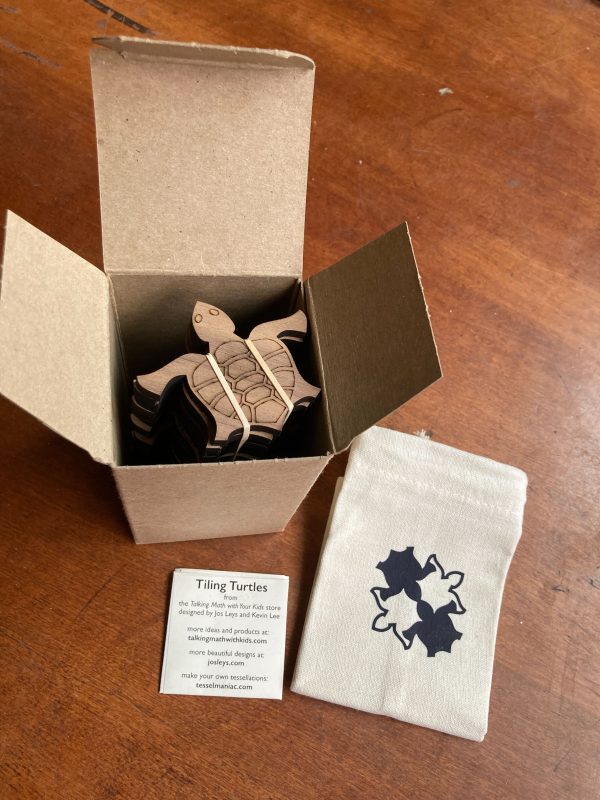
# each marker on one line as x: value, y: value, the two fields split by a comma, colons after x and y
x: 418, y: 601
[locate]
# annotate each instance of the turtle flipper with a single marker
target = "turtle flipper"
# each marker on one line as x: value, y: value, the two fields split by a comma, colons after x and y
x: 304, y: 392
x: 222, y: 429
x: 288, y: 329
x: 155, y: 385
x: 150, y: 392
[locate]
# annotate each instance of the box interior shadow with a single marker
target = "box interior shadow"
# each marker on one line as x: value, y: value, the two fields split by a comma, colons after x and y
x: 153, y: 313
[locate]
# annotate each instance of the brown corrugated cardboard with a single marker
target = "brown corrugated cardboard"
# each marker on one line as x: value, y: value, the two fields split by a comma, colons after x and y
x: 203, y: 158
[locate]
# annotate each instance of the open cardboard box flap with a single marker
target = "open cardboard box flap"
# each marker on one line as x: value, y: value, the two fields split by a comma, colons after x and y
x: 372, y: 333
x: 58, y: 339
x: 209, y: 179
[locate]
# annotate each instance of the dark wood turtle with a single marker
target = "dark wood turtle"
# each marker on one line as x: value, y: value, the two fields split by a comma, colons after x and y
x: 240, y: 392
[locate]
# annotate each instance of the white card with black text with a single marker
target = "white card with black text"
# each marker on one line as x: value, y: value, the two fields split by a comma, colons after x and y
x: 225, y: 634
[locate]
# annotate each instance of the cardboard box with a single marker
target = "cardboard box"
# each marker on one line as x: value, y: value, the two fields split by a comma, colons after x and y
x: 203, y: 155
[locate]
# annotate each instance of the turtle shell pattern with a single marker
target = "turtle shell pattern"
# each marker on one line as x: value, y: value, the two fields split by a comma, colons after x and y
x: 252, y: 388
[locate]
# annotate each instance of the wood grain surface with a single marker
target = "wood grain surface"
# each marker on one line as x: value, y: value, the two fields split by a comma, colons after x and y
x: 477, y: 121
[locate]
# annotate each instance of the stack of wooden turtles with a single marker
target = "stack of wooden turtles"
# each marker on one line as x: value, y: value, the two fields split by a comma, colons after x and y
x: 228, y: 398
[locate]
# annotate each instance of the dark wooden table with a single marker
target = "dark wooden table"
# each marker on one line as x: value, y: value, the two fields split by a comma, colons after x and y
x: 499, y: 179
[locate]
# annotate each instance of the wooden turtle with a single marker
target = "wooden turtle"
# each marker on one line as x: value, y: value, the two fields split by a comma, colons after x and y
x: 237, y: 395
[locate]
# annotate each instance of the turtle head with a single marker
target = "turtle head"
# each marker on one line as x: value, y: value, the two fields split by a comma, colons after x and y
x: 211, y: 324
